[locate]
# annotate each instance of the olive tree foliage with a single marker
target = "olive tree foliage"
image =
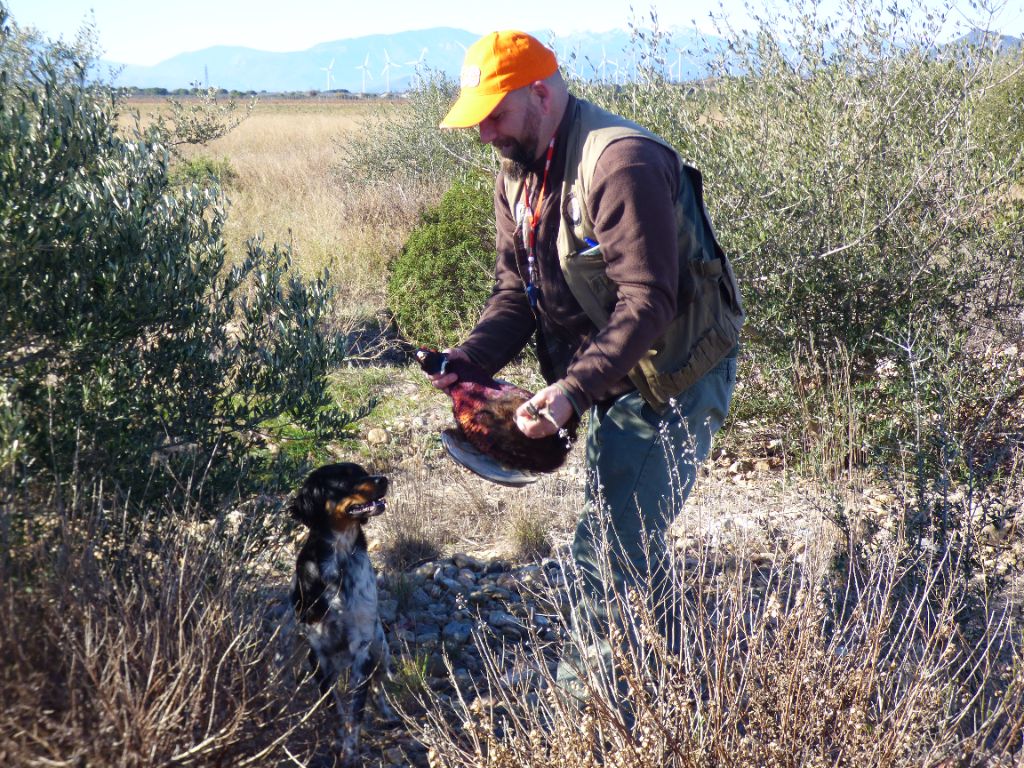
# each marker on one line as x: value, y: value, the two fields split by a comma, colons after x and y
x: 848, y: 175
x: 202, y: 119
x: 405, y: 140
x: 863, y: 171
x: 128, y: 347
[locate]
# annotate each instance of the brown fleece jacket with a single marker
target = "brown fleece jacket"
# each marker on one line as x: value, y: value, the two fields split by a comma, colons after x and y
x: 631, y: 202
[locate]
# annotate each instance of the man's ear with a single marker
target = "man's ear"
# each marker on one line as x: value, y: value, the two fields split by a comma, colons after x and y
x: 542, y: 92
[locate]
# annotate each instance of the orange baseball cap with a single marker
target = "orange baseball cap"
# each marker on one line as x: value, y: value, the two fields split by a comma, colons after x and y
x: 495, y: 65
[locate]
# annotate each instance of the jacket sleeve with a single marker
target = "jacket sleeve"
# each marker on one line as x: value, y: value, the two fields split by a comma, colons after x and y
x: 632, y: 204
x: 507, y: 322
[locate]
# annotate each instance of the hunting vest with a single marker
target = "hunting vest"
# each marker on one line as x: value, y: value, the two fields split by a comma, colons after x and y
x: 708, y: 320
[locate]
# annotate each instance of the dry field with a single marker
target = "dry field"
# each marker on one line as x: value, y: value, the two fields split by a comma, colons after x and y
x: 289, y: 183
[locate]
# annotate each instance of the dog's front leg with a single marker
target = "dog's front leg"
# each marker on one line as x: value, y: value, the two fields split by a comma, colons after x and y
x: 363, y: 667
x: 380, y: 652
x: 326, y: 673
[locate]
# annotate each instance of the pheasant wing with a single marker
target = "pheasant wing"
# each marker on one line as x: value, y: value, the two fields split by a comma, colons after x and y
x: 483, y: 465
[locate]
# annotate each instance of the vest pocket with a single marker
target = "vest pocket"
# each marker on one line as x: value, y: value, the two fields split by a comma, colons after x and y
x: 720, y: 322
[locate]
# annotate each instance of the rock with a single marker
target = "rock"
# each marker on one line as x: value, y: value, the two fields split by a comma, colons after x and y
x: 506, y: 624
x: 437, y: 667
x: 419, y: 598
x: 424, y: 571
x: 462, y: 560
x: 495, y: 592
x: 401, y: 636
x: 451, y: 584
x: 377, y: 436
x: 495, y: 566
x: 388, y: 610
x: 463, y: 679
x: 445, y: 571
x: 508, y: 581
x: 995, y: 531
x: 426, y: 636
x: 457, y: 632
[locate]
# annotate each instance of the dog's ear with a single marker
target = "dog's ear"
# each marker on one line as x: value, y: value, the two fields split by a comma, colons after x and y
x: 304, y: 506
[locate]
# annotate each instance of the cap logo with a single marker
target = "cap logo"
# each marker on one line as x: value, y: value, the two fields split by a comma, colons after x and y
x: 470, y: 77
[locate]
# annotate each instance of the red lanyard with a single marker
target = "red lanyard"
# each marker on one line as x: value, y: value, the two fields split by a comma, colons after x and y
x: 531, y: 220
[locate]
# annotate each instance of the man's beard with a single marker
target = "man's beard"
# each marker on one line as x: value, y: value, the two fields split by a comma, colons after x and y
x: 518, y: 156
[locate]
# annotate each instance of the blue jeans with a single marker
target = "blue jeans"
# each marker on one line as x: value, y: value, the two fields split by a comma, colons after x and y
x: 641, y: 467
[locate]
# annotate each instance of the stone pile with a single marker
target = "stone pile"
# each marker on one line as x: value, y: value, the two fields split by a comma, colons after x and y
x: 437, y: 616
x: 442, y: 610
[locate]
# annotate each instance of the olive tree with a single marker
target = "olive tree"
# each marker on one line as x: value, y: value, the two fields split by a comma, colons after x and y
x: 127, y: 344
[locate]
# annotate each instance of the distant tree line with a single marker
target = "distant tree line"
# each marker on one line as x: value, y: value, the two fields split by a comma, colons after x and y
x: 197, y: 90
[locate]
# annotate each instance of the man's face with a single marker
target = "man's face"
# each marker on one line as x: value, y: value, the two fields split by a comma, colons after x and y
x: 512, y: 129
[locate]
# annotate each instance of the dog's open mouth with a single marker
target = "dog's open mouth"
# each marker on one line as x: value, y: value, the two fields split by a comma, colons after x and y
x: 370, y: 509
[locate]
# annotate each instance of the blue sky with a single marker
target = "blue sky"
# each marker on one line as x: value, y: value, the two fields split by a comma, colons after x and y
x: 141, y: 32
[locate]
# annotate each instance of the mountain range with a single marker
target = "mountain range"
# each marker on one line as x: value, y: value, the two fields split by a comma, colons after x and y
x: 392, y: 63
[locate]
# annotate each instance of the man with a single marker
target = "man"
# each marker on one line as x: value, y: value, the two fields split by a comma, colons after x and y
x: 606, y: 255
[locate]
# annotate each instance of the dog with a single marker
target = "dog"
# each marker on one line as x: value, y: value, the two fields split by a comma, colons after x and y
x: 334, y: 592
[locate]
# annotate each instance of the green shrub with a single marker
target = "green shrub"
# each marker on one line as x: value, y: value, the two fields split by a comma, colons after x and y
x: 445, y: 272
x: 847, y: 181
x: 202, y: 118
x: 1001, y: 109
x: 203, y: 171
x: 402, y: 141
x: 846, y: 203
x: 125, y: 342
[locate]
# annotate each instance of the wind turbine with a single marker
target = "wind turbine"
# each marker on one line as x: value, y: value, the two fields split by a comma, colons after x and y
x: 604, y: 63
x: 365, y: 69
x: 679, y: 65
x: 615, y: 65
x: 416, y: 65
x: 329, y: 69
x: 388, y: 66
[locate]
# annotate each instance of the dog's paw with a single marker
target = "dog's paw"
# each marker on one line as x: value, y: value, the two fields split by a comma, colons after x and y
x: 324, y: 760
x: 347, y: 746
x: 387, y: 716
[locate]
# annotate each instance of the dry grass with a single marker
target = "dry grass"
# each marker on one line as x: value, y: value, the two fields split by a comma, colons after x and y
x: 292, y: 187
x: 770, y: 666
x: 141, y: 643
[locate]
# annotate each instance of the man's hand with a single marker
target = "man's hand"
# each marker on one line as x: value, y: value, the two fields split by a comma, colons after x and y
x: 445, y: 380
x: 544, y: 413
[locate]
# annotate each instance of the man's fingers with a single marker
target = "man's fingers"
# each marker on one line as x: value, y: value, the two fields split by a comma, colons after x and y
x: 444, y: 381
x: 533, y: 418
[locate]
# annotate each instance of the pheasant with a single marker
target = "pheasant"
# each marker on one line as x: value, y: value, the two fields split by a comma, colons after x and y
x: 485, y: 409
